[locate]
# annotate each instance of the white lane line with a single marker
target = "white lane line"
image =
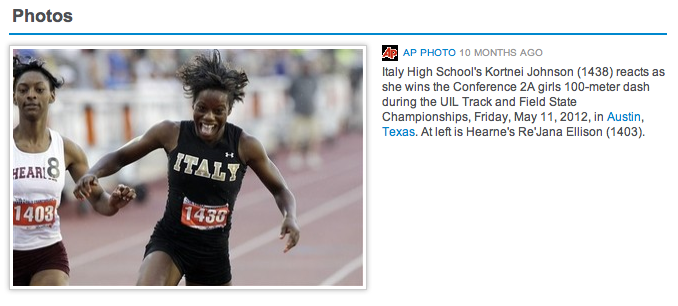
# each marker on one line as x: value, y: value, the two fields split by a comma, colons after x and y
x: 316, y: 213
x: 110, y: 249
x: 255, y: 196
x: 343, y: 272
x: 298, y: 181
x: 252, y: 244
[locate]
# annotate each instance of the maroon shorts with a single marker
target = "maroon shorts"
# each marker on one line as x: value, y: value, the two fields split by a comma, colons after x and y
x: 28, y: 263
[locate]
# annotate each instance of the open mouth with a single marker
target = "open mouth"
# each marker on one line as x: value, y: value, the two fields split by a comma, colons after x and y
x: 207, y: 129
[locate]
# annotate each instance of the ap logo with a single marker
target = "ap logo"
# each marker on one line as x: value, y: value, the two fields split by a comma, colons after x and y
x: 389, y: 52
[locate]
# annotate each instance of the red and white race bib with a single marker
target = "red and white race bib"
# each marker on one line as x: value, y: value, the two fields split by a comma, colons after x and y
x: 203, y: 217
x: 34, y: 213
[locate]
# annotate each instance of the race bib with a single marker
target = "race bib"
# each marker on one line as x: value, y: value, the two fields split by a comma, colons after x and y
x: 34, y: 213
x: 203, y: 217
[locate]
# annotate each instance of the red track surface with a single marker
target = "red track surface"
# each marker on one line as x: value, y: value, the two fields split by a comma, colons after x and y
x: 107, y: 251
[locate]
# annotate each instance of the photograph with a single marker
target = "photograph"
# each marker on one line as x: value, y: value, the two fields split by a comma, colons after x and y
x: 188, y: 166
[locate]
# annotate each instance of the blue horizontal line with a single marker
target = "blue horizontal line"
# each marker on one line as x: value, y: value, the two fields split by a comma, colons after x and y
x: 362, y: 34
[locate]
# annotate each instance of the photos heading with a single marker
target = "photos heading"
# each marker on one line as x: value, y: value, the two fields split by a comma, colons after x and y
x: 27, y: 16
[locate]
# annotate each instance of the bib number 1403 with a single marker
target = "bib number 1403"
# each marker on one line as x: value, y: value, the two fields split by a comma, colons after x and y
x: 35, y: 213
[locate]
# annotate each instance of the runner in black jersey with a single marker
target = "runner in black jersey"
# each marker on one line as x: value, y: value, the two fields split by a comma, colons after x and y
x: 207, y: 159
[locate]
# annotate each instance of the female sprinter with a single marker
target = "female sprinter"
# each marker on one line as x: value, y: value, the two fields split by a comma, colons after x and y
x: 41, y: 159
x: 207, y: 159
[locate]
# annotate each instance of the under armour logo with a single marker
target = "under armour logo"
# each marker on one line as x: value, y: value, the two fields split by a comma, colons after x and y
x: 229, y: 155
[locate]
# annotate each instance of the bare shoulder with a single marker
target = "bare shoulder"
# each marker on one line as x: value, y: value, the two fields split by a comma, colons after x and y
x: 250, y: 148
x: 166, y: 127
x: 72, y: 151
x: 169, y: 123
x: 247, y: 139
x: 165, y: 132
x: 70, y: 146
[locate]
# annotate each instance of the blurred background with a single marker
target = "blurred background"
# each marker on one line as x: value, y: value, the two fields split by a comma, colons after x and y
x: 111, y: 96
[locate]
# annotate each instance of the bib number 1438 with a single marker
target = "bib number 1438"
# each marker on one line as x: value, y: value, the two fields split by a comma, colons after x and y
x: 204, y: 217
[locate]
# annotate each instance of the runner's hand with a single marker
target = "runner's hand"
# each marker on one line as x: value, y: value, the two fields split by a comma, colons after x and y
x: 83, y: 187
x: 290, y: 226
x: 121, y: 196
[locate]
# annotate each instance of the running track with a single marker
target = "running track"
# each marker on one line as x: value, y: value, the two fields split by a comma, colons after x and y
x: 107, y: 251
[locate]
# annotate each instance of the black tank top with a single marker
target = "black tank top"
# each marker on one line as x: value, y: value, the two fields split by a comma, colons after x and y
x: 204, y: 182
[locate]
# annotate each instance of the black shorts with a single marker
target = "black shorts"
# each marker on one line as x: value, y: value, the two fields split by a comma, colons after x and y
x: 27, y: 263
x: 203, y: 265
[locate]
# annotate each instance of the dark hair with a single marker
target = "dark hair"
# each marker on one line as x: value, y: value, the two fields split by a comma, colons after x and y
x: 32, y: 64
x: 209, y: 72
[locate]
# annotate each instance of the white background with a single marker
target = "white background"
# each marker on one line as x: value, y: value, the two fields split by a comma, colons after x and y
x: 456, y: 221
